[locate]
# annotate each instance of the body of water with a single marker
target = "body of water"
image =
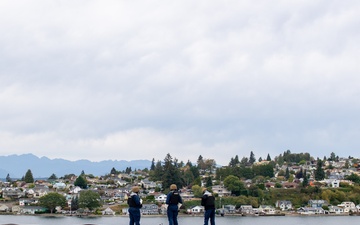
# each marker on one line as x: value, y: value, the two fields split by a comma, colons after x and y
x: 183, y: 220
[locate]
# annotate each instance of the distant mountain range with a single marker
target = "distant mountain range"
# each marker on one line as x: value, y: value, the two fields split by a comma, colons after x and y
x: 17, y: 165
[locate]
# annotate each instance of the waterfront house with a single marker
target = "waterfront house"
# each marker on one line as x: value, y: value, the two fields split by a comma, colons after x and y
x: 311, y: 210
x: 229, y: 209
x: 246, y: 209
x: 32, y: 209
x: 108, y: 211
x: 197, y: 210
x: 317, y: 203
x: 15, y: 209
x: 267, y: 209
x: 348, y: 207
x: 149, y: 209
x: 283, y: 205
x: 336, y: 210
x: 4, y: 208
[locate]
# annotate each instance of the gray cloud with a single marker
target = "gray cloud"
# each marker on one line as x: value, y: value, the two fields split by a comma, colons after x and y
x: 136, y: 80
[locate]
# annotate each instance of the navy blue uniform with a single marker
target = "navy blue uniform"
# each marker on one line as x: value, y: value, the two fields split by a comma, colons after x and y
x: 172, y: 200
x: 208, y: 201
x: 134, y: 209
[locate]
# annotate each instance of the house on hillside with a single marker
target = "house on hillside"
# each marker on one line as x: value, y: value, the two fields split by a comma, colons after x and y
x: 197, y: 209
x: 220, y: 190
x: 161, y: 198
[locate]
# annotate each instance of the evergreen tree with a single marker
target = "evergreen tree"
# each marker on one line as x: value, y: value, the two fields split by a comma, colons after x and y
x: 287, y: 173
x: 268, y: 158
x: 74, y: 203
x: 244, y: 162
x: 260, y: 159
x: 252, y: 158
x: 208, y: 182
x: 29, y: 177
x: 152, y: 167
x: 305, y: 182
x: 171, y: 173
x: 319, y: 172
x: 332, y: 156
x: 52, y: 177
x: 113, y: 171
x: 8, y: 179
x: 81, y: 182
x: 299, y: 174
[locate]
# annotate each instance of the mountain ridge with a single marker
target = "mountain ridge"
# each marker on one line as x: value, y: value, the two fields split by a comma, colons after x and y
x: 41, y: 167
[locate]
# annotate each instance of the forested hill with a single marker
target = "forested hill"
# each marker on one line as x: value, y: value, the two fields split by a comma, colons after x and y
x: 17, y: 165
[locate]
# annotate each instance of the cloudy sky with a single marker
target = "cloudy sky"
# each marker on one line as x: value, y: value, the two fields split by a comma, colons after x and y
x: 138, y: 79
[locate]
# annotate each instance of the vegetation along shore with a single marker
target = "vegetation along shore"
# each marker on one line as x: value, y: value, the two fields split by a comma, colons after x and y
x: 288, y: 184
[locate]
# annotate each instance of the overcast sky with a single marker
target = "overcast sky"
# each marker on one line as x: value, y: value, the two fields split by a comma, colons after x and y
x: 138, y: 79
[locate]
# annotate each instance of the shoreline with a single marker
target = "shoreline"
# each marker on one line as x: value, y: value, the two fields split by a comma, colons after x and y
x: 185, y: 215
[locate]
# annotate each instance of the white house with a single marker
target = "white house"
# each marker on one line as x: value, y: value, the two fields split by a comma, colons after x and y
x: 4, y: 208
x: 336, y: 210
x: 348, y: 206
x: 311, y: 210
x: 108, y: 211
x: 283, y: 205
x: 246, y: 209
x: 221, y: 190
x: 197, y: 209
x: 161, y: 198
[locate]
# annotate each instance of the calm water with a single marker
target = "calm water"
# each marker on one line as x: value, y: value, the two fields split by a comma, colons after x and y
x: 280, y: 220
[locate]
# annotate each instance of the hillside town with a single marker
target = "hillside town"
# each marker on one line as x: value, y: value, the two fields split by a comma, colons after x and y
x: 290, y: 184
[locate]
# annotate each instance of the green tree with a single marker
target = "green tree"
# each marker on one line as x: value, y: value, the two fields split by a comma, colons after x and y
x: 171, y: 173
x: 252, y: 158
x: 113, y: 171
x: 332, y: 156
x: 152, y: 167
x: 287, y: 173
x: 52, y: 177
x: 29, y: 177
x: 209, y: 182
x: 353, y: 177
x: 52, y: 200
x: 305, y: 182
x: 264, y: 170
x: 8, y: 179
x: 319, y: 172
x: 74, y: 203
x: 234, y: 184
x: 89, y: 199
x: 268, y: 158
x: 81, y: 182
x: 234, y: 161
x: 197, y: 190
